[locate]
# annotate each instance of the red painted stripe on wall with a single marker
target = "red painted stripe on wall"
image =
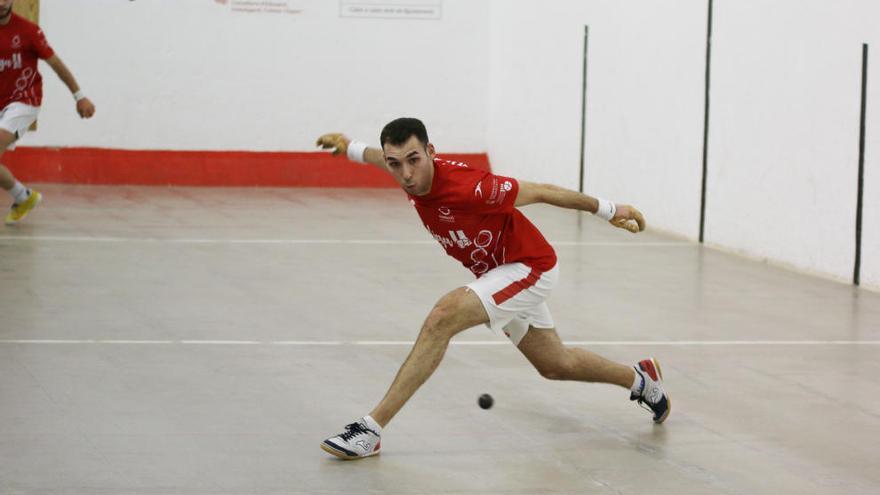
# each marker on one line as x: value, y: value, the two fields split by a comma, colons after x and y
x: 201, y: 168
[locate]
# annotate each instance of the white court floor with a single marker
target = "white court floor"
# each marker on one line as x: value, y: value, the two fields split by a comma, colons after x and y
x: 205, y: 341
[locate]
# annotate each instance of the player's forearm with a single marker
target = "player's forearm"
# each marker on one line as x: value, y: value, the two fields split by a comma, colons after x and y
x: 63, y: 73
x: 622, y: 216
x: 566, y: 198
x: 376, y: 157
x: 356, y: 151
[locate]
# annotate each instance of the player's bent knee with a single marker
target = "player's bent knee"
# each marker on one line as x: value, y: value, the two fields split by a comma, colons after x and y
x: 444, y: 318
x: 438, y: 322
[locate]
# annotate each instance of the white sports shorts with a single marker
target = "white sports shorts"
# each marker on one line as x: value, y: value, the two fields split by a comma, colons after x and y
x: 17, y: 119
x: 514, y: 296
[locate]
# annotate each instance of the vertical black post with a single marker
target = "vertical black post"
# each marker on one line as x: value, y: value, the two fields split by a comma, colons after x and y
x: 706, y: 124
x: 584, y: 110
x: 857, y: 267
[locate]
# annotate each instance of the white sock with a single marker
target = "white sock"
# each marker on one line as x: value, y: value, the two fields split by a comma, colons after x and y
x: 372, y: 424
x: 638, y: 382
x: 19, y: 192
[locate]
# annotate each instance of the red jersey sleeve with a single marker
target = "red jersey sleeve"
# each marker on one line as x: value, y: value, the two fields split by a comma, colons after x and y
x: 41, y: 45
x: 493, y: 194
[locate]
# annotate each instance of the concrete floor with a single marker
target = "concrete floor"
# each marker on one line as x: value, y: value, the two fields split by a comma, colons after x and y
x: 169, y: 341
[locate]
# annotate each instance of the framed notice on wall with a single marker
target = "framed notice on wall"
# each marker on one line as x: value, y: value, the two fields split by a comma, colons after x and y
x: 30, y: 10
x: 294, y: 7
x: 392, y: 9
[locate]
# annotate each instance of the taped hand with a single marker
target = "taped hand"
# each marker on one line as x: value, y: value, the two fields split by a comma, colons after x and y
x: 628, y: 218
x: 334, y: 141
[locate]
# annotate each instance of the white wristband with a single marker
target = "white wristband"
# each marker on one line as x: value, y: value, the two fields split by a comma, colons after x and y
x: 78, y: 95
x: 606, y: 210
x: 356, y: 151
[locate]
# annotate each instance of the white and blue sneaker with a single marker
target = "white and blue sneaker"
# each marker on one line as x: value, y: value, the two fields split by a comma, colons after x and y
x: 650, y: 393
x: 361, y: 439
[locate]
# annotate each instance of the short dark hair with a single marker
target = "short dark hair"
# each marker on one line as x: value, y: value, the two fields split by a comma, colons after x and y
x: 398, y: 131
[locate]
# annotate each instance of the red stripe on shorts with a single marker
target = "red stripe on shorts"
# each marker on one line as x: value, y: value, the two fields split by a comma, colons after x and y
x: 517, y: 287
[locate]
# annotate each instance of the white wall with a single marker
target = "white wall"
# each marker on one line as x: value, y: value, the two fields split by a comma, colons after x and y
x: 191, y: 74
x: 783, y: 149
x: 871, y: 209
x: 783, y: 152
x: 645, y: 104
x: 505, y: 76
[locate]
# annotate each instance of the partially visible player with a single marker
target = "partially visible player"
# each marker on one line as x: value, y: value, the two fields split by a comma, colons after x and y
x: 473, y: 214
x: 22, y: 43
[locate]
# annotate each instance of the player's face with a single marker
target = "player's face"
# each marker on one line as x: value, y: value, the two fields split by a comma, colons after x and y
x: 5, y: 8
x: 412, y: 164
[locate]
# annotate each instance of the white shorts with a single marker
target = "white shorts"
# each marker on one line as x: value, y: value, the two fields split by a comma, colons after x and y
x: 17, y: 119
x: 514, y: 296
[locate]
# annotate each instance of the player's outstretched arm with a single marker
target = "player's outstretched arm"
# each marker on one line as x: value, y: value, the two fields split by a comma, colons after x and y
x: 84, y: 106
x: 339, y: 144
x: 621, y: 216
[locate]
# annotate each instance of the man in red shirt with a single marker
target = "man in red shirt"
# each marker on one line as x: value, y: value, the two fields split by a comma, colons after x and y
x: 22, y: 43
x: 472, y: 214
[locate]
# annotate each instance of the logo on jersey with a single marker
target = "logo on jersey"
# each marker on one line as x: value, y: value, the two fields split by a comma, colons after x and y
x: 456, y: 238
x: 482, y: 260
x: 460, y: 239
x: 446, y: 215
x: 16, y: 41
x: 444, y: 241
x: 499, y: 191
x: 480, y: 255
x: 478, y: 191
x: 11, y: 63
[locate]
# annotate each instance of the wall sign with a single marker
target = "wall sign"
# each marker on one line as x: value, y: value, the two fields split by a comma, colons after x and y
x: 392, y: 9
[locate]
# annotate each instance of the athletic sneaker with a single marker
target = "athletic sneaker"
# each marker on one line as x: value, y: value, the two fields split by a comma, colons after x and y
x: 361, y: 439
x: 20, y: 210
x: 651, y: 394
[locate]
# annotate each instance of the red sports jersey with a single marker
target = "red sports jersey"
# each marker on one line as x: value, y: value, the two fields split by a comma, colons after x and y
x: 470, y: 213
x: 21, y: 43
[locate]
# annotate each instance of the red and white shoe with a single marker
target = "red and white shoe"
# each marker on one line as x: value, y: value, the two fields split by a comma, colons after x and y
x: 651, y: 394
x: 361, y: 439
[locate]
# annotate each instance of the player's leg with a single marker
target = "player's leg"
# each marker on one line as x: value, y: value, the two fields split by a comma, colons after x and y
x: 7, y: 180
x: 556, y: 361
x: 459, y: 310
x: 15, y: 120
